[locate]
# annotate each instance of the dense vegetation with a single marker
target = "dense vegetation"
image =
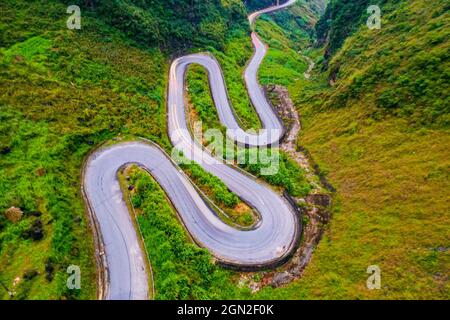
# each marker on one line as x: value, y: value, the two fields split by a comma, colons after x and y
x: 380, y: 133
x: 62, y: 93
x: 340, y: 20
x: 288, y: 65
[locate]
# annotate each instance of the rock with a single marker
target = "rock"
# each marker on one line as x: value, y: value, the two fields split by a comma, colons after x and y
x: 40, y: 172
x: 75, y: 252
x: 16, y: 281
x: 130, y: 187
x: 14, y: 214
x: 49, y: 269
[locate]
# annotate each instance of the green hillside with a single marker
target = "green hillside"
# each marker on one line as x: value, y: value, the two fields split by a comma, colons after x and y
x: 375, y: 118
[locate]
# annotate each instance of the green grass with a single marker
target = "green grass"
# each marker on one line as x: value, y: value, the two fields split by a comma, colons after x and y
x: 391, y: 209
x: 400, y: 70
x: 390, y: 170
x: 201, y: 104
x: 181, y: 269
x: 63, y: 92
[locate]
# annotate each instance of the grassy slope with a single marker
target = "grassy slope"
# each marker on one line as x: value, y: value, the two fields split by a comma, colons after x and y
x: 391, y: 172
x: 282, y: 65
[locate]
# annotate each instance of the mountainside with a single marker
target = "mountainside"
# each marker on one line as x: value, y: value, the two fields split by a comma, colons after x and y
x: 171, y: 24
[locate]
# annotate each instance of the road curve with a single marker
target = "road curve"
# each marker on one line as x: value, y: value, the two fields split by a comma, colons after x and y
x: 271, y: 241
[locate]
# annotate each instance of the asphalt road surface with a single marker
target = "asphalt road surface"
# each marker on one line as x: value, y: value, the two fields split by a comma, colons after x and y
x: 270, y: 241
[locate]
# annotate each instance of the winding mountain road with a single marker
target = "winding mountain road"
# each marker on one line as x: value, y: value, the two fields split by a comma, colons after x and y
x: 269, y: 242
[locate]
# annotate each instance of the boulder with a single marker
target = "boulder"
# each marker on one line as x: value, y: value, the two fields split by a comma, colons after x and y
x: 323, y: 200
x: 30, y: 274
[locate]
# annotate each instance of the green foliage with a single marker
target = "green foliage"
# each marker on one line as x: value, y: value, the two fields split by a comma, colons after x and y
x: 341, y: 19
x: 282, y: 65
x: 288, y: 174
x: 54, y: 192
x: 389, y: 165
x: 170, y: 24
x: 200, y: 98
x: 28, y: 49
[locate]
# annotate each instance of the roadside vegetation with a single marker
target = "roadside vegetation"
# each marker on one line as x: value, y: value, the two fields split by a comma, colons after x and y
x: 62, y: 94
x: 282, y: 65
x: 236, y: 211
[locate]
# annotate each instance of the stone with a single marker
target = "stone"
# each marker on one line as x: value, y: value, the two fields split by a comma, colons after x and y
x: 30, y: 274
x: 5, y: 150
x: 323, y: 200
